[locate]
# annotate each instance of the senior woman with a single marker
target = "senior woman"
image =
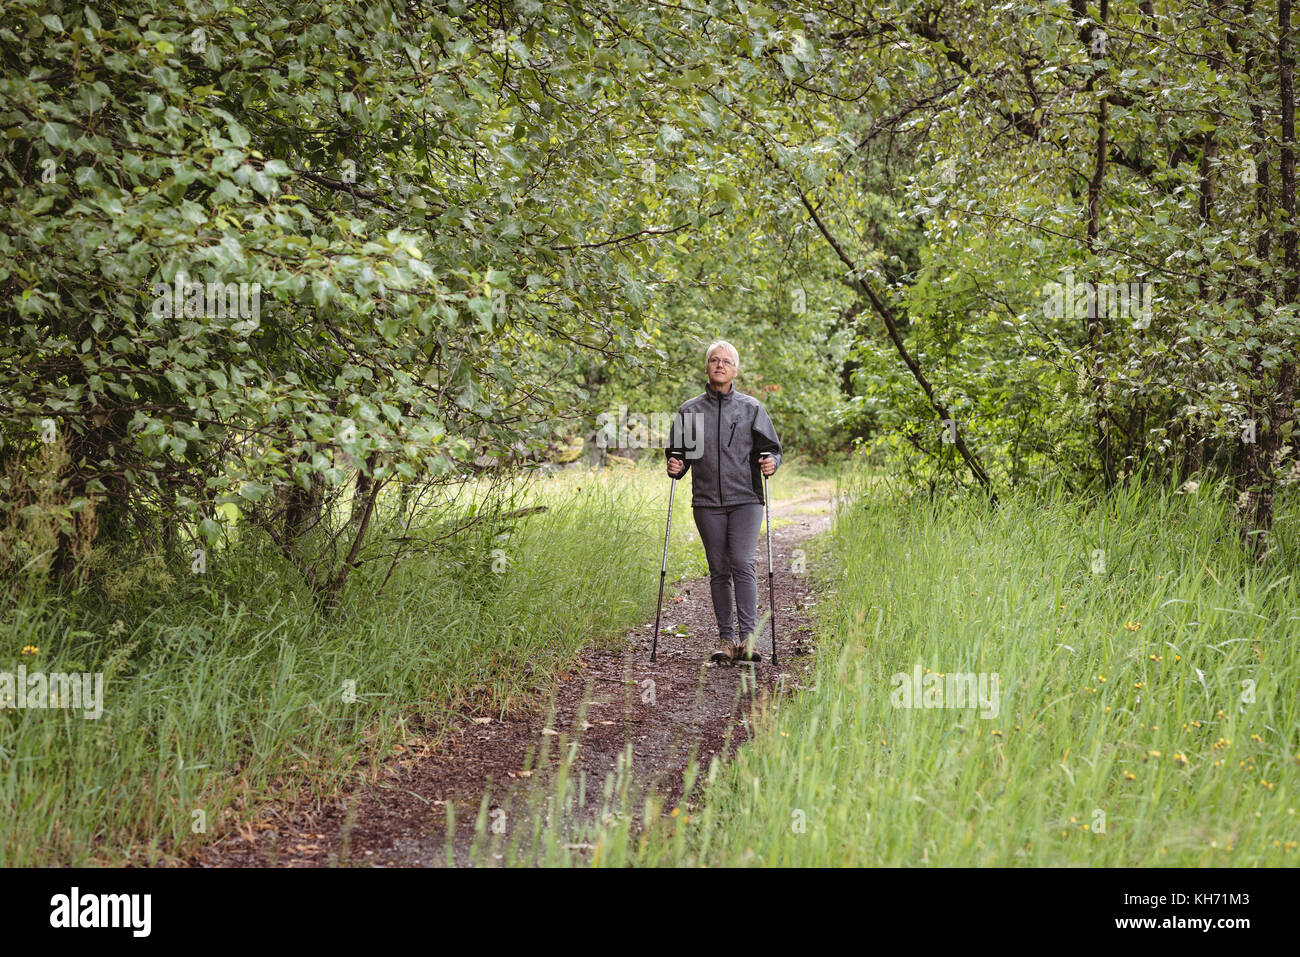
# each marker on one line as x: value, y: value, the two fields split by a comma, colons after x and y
x: 733, y: 445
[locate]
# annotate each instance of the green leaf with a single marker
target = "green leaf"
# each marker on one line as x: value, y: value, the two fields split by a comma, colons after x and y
x: 210, y: 532
x: 56, y: 134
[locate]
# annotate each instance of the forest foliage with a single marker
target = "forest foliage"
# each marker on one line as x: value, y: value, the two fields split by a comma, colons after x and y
x: 303, y: 264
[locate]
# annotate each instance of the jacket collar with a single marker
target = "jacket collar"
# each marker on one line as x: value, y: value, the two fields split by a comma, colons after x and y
x: 710, y: 391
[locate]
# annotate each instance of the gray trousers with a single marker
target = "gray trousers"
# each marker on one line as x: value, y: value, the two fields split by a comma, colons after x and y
x: 730, y: 534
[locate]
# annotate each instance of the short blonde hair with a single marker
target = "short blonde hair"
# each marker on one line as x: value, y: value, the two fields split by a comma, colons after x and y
x: 722, y: 344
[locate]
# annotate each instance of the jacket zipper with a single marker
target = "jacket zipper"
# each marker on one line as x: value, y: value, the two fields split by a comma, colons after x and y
x: 719, y: 445
x: 731, y: 435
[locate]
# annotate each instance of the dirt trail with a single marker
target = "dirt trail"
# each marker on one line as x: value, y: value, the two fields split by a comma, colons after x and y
x: 665, y: 709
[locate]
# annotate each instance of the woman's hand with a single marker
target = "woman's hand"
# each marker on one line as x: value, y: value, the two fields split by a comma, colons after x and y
x: 766, y: 464
x: 675, y: 467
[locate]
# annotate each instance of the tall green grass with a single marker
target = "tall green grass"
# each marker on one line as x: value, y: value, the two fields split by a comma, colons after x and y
x: 226, y: 690
x: 1149, y: 677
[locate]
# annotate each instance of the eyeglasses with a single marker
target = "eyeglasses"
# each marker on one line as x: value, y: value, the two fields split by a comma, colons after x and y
x: 721, y: 362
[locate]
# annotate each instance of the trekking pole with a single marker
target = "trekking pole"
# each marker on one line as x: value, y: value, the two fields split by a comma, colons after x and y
x: 771, y: 589
x: 663, y: 568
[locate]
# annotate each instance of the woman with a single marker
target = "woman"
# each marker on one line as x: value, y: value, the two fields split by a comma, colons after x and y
x: 733, y: 444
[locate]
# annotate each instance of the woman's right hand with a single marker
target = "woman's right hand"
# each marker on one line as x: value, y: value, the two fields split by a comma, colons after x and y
x: 675, y: 467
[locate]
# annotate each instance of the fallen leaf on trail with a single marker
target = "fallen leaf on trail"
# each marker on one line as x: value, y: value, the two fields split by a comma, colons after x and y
x: 520, y: 774
x: 549, y: 731
x: 482, y: 720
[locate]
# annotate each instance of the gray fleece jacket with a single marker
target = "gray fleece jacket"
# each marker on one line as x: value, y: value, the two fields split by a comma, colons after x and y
x: 720, y: 436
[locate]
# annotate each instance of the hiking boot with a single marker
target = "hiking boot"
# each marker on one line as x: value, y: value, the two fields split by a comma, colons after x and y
x: 745, y: 653
x: 724, y: 654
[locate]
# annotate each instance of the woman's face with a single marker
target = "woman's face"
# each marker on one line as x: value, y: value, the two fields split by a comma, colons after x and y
x: 721, y: 369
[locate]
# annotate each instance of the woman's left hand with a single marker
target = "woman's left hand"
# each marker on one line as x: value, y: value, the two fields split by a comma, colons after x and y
x: 767, y: 464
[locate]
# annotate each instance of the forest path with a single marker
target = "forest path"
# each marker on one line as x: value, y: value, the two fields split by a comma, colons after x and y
x: 668, y: 710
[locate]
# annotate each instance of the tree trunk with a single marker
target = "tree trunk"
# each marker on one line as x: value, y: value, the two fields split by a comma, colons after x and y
x: 1261, y: 479
x: 1093, y: 330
